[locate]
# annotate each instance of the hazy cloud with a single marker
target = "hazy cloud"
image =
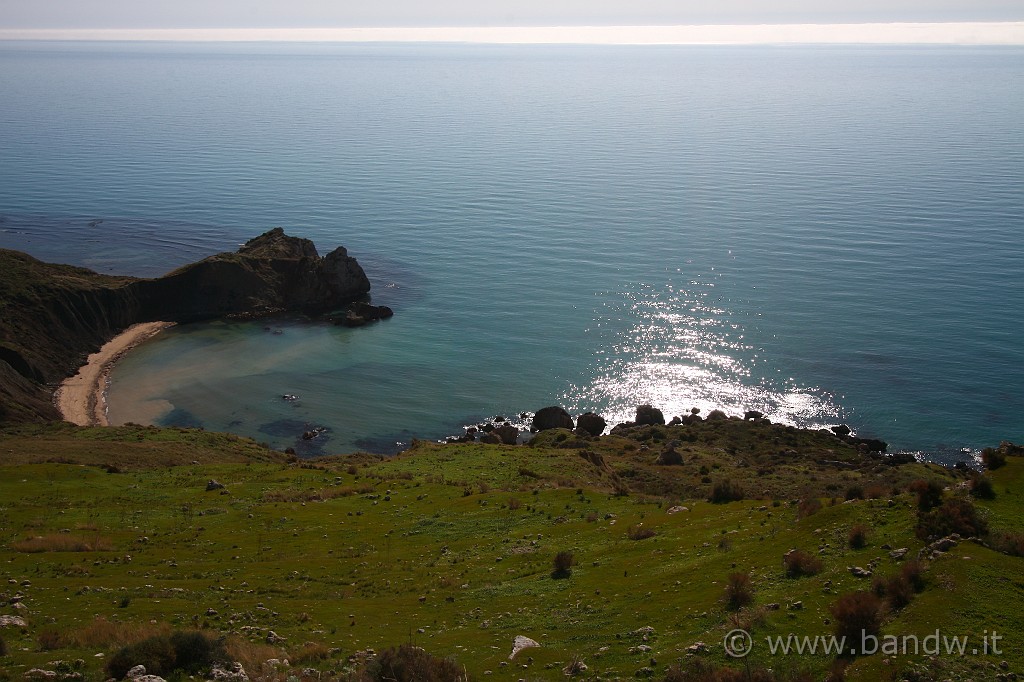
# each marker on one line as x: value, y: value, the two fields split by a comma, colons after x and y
x: 341, y: 13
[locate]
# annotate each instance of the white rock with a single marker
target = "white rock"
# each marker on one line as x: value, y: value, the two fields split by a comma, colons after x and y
x: 520, y: 643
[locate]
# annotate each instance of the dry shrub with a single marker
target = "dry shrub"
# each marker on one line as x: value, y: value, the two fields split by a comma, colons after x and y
x: 190, y: 652
x: 857, y: 615
x: 726, y: 491
x: 929, y: 494
x: 50, y: 639
x: 514, y: 503
x: 981, y: 488
x: 808, y: 507
x: 896, y: 590
x: 408, y: 663
x: 875, y: 491
x: 913, y: 573
x: 1007, y: 543
x: 251, y: 655
x: 592, y: 517
x: 62, y: 542
x: 993, y: 458
x: 700, y: 670
x: 311, y: 652
x: 562, y: 564
x: 799, y: 563
x: 858, y: 537
x: 316, y: 495
x: 104, y: 634
x: 638, y: 532
x: 739, y: 591
x: 956, y: 515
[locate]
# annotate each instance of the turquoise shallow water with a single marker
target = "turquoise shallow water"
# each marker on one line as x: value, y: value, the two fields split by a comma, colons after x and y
x: 824, y: 234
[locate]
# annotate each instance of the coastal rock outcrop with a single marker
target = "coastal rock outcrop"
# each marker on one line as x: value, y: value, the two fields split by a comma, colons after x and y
x: 53, y: 316
x: 648, y: 414
x: 553, y: 417
x: 594, y: 424
x: 271, y: 273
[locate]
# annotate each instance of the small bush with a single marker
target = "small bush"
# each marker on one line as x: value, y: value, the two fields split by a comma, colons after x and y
x: 162, y: 655
x: 311, y: 652
x: 956, y: 515
x: 62, y: 543
x: 104, y: 634
x: 739, y: 591
x: 858, y: 538
x: 409, y: 663
x: 1007, y: 543
x: 698, y: 670
x: 913, y: 573
x: 857, y: 615
x: 638, y: 532
x: 929, y: 494
x: 156, y: 653
x: 726, y: 491
x: 514, y: 503
x: 808, y: 507
x: 50, y: 639
x: 896, y: 590
x: 855, y: 492
x: 875, y: 491
x: 799, y: 563
x: 194, y: 651
x: 993, y: 458
x: 981, y: 488
x: 562, y: 564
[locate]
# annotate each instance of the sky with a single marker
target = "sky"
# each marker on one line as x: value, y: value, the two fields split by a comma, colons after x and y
x: 157, y: 14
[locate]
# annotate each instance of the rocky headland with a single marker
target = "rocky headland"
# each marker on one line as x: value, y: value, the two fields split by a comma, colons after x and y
x: 54, y: 316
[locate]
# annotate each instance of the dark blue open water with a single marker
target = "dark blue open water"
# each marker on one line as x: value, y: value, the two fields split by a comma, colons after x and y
x: 826, y: 234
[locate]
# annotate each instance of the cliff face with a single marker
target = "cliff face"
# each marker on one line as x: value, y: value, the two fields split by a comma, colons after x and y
x: 53, y: 316
x: 271, y: 273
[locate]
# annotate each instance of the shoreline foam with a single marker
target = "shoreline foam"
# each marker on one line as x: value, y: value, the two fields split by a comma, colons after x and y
x: 82, y: 399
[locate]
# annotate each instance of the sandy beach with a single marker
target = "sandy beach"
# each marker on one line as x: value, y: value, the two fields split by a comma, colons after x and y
x: 82, y: 399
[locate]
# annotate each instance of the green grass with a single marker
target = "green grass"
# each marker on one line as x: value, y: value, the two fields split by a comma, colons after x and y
x: 428, y: 547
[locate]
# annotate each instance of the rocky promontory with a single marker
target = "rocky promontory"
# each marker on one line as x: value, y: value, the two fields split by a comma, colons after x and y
x: 53, y: 316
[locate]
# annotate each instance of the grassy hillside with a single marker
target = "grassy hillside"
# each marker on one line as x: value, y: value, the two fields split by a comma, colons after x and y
x: 452, y: 548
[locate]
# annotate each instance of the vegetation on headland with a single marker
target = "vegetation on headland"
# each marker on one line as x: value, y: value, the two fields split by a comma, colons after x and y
x: 615, y: 565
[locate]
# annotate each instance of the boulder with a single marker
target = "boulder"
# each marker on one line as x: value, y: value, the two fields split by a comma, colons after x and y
x: 842, y: 430
x: 214, y: 485
x: 361, y: 313
x: 692, y: 418
x: 553, y: 417
x: 12, y: 622
x: 594, y: 424
x: 717, y: 415
x: 228, y: 672
x: 753, y: 414
x: 508, y: 434
x: 649, y: 415
x: 520, y: 643
x: 670, y: 457
x: 490, y: 438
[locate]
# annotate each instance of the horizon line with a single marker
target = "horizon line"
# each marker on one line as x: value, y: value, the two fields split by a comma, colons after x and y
x: 917, y: 33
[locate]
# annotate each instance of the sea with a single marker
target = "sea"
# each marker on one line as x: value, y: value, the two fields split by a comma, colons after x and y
x: 824, y: 234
